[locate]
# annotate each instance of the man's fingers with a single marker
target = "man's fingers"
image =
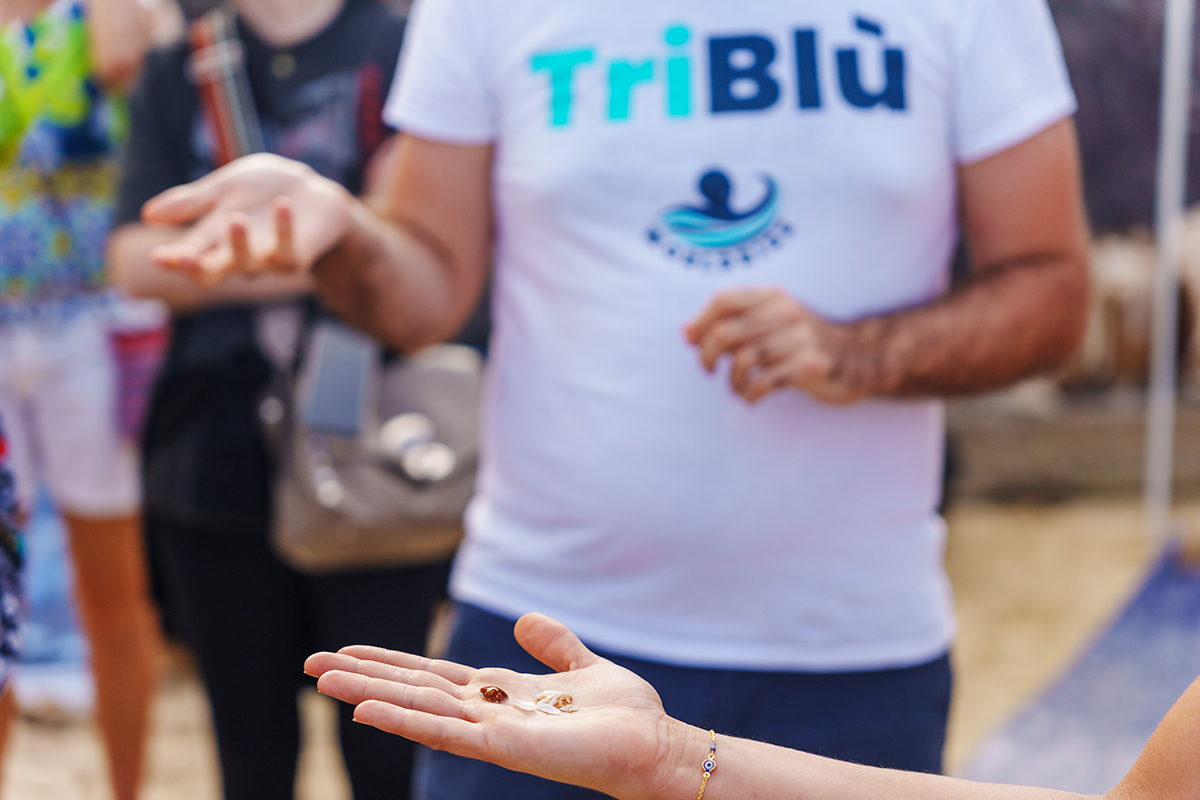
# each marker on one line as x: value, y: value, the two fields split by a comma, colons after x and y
x: 440, y: 733
x: 353, y: 688
x: 455, y: 673
x: 746, y: 360
x: 768, y: 350
x: 283, y: 256
x: 552, y: 643
x: 176, y: 256
x: 731, y: 301
x: 732, y: 333
x: 801, y: 371
x: 239, y: 244
x: 184, y: 204
x: 215, y: 265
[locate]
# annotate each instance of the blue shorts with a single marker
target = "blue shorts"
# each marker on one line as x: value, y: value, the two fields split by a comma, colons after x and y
x: 887, y: 718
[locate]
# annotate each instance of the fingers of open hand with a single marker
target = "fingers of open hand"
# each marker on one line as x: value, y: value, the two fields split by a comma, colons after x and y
x: 181, y: 205
x: 282, y: 258
x: 440, y: 733
x: 179, y: 257
x: 228, y: 243
x: 455, y: 673
x: 240, y: 259
x: 355, y: 688
x: 553, y: 643
x: 322, y: 663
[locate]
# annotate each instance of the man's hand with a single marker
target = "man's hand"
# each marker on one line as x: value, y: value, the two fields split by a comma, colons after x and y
x: 261, y: 213
x: 1022, y: 312
x: 775, y: 342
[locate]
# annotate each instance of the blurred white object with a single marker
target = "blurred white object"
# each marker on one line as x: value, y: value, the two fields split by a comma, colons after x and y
x: 1170, y: 199
x: 54, y: 693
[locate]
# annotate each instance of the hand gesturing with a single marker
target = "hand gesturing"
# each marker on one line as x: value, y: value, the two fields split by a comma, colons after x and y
x: 773, y: 342
x: 260, y: 213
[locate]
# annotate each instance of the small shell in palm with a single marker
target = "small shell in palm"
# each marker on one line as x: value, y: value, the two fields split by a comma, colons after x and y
x: 549, y: 703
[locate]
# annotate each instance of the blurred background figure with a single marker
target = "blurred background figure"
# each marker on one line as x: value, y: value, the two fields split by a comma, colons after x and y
x: 1114, y: 52
x: 11, y: 523
x: 318, y: 72
x: 63, y: 66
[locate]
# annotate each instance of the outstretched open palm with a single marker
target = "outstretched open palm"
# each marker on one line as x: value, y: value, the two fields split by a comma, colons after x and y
x: 615, y: 742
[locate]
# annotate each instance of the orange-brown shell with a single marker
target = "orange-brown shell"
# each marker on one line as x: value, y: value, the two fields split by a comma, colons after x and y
x: 493, y: 694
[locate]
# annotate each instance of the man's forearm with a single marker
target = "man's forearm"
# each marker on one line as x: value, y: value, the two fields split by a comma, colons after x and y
x: 393, y: 282
x: 1009, y: 323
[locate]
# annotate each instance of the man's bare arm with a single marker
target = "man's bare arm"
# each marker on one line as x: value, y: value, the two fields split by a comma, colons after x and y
x: 414, y: 260
x: 407, y: 264
x: 1023, y: 311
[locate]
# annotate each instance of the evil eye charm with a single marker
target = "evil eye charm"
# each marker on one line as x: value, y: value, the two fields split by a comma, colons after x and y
x: 709, y: 765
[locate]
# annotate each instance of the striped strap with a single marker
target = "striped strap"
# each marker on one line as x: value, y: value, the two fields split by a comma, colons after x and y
x: 218, y: 70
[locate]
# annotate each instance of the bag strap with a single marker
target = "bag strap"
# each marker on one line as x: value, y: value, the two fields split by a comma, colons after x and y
x: 218, y: 70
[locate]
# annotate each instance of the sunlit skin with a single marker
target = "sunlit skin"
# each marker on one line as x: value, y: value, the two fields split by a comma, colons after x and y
x: 408, y: 262
x: 622, y: 743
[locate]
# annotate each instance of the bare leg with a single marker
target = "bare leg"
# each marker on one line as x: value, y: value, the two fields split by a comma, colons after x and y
x: 112, y: 591
x: 8, y: 712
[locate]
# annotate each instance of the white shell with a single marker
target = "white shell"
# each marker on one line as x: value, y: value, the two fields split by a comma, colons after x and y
x: 561, y: 702
x: 548, y: 703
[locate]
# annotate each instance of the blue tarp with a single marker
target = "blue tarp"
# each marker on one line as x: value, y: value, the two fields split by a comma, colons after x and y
x: 1084, y: 733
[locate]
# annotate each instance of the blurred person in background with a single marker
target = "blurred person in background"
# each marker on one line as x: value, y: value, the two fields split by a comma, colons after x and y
x: 12, y: 521
x: 784, y: 182
x: 63, y: 65
x: 319, y: 73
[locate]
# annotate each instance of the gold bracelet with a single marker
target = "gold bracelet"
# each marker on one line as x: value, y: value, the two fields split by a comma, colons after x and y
x: 710, y: 763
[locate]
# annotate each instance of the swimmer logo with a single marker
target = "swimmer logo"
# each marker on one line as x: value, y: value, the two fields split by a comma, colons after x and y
x: 714, y: 234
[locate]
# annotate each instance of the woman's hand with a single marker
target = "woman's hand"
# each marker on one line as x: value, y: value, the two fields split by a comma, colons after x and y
x: 618, y: 742
x: 261, y: 213
x: 775, y: 342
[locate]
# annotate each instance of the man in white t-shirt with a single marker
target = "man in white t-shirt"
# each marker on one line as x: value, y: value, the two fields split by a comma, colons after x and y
x: 775, y: 566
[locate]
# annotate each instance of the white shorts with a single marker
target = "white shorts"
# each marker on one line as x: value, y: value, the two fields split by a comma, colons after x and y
x: 58, y: 402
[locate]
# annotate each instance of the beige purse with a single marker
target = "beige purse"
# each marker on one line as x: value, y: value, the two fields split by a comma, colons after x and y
x: 378, y: 461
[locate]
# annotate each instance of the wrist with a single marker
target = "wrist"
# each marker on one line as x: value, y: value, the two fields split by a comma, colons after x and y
x: 864, y: 367
x: 679, y: 770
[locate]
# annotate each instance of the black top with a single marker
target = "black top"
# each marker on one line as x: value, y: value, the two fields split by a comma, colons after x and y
x: 319, y: 102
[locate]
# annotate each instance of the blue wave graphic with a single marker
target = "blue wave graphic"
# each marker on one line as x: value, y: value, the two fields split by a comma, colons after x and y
x: 716, y: 226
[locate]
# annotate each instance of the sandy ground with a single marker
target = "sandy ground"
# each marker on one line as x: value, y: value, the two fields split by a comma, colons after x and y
x: 1033, y: 586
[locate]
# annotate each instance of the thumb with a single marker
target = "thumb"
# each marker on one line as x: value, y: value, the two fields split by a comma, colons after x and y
x: 183, y: 204
x: 553, y: 644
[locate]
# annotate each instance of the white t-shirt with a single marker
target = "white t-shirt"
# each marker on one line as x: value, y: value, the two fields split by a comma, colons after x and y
x: 650, y: 153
